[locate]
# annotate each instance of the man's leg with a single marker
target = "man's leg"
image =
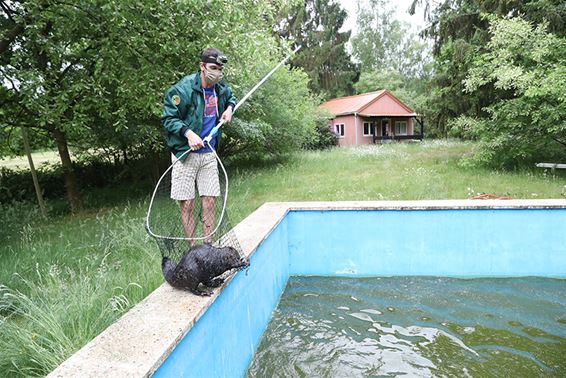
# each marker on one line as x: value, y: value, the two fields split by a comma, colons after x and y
x: 208, y: 216
x: 183, y: 178
x: 187, y: 217
x: 209, y: 188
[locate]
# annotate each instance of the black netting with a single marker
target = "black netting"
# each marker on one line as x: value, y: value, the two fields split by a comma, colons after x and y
x: 176, y: 224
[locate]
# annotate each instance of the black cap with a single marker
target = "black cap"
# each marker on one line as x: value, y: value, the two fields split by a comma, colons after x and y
x: 212, y: 55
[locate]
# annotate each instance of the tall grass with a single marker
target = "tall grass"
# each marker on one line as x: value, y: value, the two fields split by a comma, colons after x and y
x: 67, y: 281
x: 64, y: 280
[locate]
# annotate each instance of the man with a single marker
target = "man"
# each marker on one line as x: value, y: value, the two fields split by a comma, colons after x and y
x: 192, y: 107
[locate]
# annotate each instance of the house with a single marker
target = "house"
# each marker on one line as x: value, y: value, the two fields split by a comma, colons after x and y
x: 373, y: 117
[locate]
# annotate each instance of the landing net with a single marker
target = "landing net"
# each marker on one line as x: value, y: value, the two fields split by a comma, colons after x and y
x: 189, y: 206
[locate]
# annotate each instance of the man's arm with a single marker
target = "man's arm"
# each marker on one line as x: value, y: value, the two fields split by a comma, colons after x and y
x: 230, y: 104
x: 172, y: 117
x: 231, y: 99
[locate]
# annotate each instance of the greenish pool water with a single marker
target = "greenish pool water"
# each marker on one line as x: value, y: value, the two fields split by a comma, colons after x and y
x: 416, y: 326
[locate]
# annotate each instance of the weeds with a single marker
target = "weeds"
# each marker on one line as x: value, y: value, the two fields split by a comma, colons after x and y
x: 72, y: 287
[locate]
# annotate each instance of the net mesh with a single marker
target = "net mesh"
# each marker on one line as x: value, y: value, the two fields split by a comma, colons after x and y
x: 189, y: 207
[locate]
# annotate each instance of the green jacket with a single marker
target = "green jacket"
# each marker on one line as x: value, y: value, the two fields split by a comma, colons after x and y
x: 183, y: 109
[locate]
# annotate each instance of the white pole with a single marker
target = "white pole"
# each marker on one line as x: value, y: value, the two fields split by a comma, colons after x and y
x: 207, y: 140
x: 213, y: 132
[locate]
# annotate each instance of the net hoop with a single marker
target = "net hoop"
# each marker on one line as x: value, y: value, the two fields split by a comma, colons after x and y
x: 206, y: 141
x: 205, y: 237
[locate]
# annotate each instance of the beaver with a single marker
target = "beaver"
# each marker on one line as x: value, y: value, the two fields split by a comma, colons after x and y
x: 202, y: 264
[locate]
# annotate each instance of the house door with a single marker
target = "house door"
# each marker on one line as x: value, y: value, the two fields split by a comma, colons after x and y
x: 384, y: 127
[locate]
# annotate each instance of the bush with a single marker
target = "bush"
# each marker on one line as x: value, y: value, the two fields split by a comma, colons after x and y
x: 323, y: 137
x: 529, y: 125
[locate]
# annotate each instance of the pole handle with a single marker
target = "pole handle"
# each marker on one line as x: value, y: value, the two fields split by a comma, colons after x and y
x: 213, y: 132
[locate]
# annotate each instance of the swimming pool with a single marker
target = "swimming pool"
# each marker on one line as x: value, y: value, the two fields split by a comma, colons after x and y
x: 218, y: 336
x: 433, y: 242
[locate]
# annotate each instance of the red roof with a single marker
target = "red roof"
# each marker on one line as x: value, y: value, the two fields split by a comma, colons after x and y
x: 357, y: 104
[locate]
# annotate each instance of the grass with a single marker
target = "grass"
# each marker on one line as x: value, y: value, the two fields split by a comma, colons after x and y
x: 66, y: 279
x: 429, y: 170
x: 39, y: 158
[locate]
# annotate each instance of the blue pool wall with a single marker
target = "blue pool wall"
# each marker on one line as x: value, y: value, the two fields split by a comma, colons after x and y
x: 458, y: 243
x: 223, y: 341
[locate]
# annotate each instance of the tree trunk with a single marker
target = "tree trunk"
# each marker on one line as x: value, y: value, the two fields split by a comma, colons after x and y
x: 33, y: 173
x: 70, y: 179
x: 125, y: 155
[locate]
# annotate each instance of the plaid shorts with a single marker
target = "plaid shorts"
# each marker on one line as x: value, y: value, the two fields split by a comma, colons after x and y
x: 199, y: 168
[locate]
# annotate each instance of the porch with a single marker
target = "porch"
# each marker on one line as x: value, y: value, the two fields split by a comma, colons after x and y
x: 387, y: 128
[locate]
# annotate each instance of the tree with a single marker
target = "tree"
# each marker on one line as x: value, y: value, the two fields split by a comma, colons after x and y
x: 91, y: 74
x: 315, y: 25
x: 30, y: 75
x: 459, y: 33
x: 530, y: 125
x: 391, y: 57
x: 384, y: 43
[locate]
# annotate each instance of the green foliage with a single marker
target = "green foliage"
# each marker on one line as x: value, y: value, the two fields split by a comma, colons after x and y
x: 323, y: 136
x: 391, y: 57
x: 277, y: 119
x: 460, y: 33
x: 529, y: 125
x: 315, y: 25
x: 105, y: 66
x: 92, y: 75
x: 385, y: 44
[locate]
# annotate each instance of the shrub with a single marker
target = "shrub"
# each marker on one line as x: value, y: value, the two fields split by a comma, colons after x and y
x: 323, y: 137
x: 528, y: 125
x: 91, y: 173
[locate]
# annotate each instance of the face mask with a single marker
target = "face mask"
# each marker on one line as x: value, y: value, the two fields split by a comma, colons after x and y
x: 212, y: 76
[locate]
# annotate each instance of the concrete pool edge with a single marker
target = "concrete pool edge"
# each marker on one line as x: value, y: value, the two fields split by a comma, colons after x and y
x: 141, y: 339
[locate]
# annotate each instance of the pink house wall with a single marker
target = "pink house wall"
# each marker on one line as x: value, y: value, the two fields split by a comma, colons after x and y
x: 349, y: 122
x: 384, y: 105
x: 353, y: 130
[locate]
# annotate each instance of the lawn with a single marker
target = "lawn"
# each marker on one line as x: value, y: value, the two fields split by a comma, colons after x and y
x: 66, y: 279
x: 39, y: 158
x: 430, y: 170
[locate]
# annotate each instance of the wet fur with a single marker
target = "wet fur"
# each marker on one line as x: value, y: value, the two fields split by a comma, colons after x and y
x: 202, y: 264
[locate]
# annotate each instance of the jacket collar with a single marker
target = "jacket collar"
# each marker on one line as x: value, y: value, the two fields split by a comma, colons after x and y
x: 197, y: 85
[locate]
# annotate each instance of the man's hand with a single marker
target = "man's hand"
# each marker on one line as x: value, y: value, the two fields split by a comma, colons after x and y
x: 227, y: 115
x: 195, y: 142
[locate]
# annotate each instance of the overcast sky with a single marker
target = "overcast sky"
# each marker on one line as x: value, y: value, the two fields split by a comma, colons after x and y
x: 401, y: 13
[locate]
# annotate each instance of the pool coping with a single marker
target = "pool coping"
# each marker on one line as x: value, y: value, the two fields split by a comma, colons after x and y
x: 138, y: 343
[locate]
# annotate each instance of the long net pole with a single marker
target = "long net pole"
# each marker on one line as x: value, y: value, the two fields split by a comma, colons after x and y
x: 207, y: 139
x: 259, y: 84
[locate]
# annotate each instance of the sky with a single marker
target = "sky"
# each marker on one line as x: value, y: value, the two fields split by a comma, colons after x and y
x: 400, y: 7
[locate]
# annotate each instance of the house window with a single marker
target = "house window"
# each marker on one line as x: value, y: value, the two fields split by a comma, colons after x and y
x: 367, y: 129
x: 339, y: 129
x: 400, y: 127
